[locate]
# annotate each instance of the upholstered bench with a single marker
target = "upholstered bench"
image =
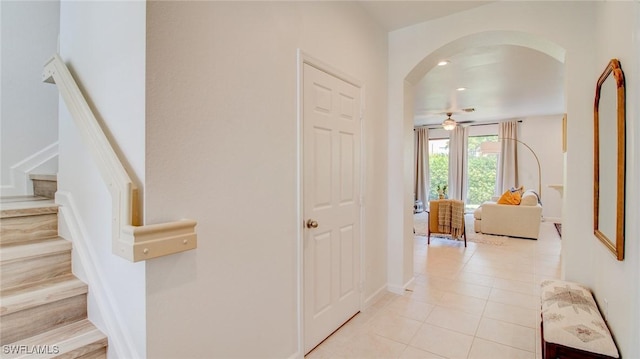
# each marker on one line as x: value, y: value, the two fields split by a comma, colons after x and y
x: 572, y: 326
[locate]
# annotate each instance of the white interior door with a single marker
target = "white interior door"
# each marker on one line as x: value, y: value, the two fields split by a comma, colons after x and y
x: 331, y: 185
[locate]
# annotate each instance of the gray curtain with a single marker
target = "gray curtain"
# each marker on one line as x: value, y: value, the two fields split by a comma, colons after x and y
x: 507, y: 173
x: 458, y: 163
x: 421, y: 181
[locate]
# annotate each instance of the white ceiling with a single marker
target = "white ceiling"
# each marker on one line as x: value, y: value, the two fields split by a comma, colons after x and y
x: 503, y: 82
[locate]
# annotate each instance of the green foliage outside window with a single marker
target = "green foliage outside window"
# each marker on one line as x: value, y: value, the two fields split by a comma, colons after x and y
x: 481, y: 172
x: 438, y: 173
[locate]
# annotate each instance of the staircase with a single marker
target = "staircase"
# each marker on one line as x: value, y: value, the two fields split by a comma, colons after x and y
x: 43, y: 309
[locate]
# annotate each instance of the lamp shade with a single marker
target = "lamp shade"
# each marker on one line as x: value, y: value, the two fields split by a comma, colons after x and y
x: 449, y: 124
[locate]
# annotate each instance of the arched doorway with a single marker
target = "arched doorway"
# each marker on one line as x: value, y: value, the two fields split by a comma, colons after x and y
x: 400, y: 260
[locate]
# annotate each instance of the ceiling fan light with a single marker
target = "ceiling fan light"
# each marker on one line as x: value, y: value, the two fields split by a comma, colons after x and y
x: 449, y: 124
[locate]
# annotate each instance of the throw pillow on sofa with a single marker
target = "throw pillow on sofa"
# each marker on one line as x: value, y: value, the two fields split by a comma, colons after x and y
x: 512, y: 197
x: 529, y: 198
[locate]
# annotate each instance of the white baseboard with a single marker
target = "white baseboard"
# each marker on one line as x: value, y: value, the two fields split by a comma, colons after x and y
x: 115, y: 328
x: 374, y: 297
x: 19, y: 173
x: 552, y: 219
x: 409, y: 282
x: 296, y: 355
x: 396, y: 289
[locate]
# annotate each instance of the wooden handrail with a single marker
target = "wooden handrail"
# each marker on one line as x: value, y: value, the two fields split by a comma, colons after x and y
x: 131, y: 239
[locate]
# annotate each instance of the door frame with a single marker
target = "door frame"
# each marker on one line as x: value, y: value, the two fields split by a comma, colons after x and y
x: 302, y: 59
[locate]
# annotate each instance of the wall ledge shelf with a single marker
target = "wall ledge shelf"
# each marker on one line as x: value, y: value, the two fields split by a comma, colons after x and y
x: 557, y: 187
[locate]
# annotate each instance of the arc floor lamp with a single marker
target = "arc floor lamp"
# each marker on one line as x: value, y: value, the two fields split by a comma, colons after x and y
x: 493, y: 147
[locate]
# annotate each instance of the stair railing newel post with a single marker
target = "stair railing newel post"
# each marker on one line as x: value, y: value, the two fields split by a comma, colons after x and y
x: 131, y: 239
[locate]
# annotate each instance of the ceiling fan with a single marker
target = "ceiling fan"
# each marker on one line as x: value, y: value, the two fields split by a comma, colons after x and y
x: 449, y: 124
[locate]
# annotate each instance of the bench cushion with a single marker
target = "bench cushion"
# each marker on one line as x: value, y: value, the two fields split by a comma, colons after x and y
x: 571, y: 318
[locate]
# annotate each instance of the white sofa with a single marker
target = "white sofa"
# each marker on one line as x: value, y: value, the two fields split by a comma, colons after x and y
x: 521, y: 220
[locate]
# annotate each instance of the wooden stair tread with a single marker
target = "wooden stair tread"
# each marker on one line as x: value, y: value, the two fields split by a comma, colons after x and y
x: 41, y: 293
x: 35, y: 285
x: 20, y: 206
x: 33, y: 249
x: 70, y: 341
x: 43, y: 177
x: 43, y: 307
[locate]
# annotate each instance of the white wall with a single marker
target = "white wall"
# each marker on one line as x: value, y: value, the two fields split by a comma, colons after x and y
x: 544, y: 135
x: 221, y: 144
x: 29, y: 108
x: 615, y: 281
x: 561, y: 29
x: 103, y: 43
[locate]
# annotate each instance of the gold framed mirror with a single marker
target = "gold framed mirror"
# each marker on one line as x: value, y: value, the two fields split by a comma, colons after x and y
x: 609, y: 159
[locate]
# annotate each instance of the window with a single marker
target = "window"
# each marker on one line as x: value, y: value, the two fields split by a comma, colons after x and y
x: 481, y: 164
x: 481, y: 170
x: 438, y: 165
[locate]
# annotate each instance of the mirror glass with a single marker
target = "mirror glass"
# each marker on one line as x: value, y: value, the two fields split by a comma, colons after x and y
x: 607, y: 131
x: 609, y: 161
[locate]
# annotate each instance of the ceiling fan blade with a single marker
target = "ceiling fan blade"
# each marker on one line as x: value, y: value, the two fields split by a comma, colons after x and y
x: 446, y: 112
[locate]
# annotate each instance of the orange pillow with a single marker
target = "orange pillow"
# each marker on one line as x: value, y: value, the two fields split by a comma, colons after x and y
x: 509, y: 197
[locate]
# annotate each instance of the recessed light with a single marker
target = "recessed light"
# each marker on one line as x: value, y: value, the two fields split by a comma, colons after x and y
x: 443, y: 63
x: 461, y: 89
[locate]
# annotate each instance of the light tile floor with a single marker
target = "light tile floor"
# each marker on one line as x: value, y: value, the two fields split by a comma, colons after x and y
x: 479, y: 302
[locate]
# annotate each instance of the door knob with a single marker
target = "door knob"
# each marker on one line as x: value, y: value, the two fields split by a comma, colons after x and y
x: 312, y: 224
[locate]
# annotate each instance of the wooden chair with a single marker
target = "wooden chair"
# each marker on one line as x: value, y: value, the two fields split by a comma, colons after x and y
x: 433, y: 214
